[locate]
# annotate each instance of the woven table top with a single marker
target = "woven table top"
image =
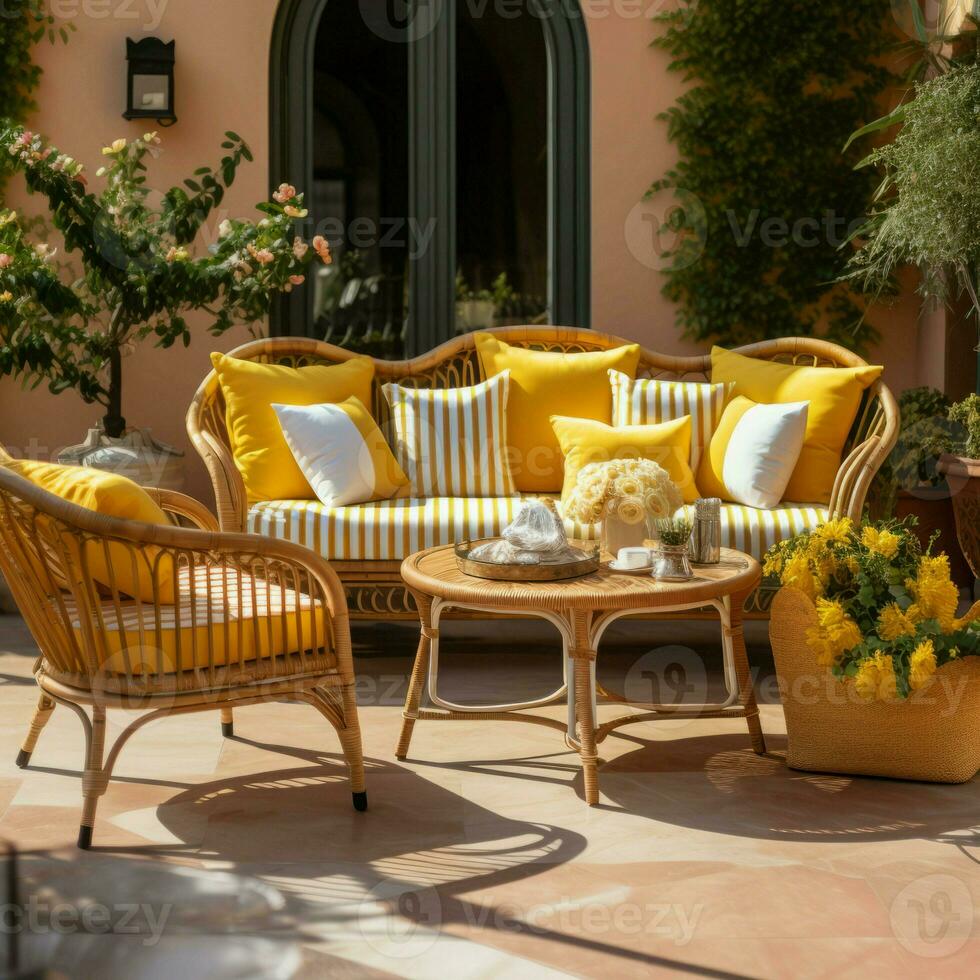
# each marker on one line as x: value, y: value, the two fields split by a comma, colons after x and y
x: 435, y: 573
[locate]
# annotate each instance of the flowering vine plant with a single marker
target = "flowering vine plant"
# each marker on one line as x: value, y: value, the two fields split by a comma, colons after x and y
x: 633, y: 490
x: 136, y: 274
x: 886, y: 610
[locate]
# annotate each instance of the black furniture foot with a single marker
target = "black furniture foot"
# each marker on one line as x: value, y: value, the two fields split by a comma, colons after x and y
x: 23, y: 758
x: 228, y: 729
x: 84, y: 838
x: 360, y: 801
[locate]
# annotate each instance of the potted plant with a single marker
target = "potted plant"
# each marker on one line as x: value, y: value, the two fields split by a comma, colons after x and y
x: 910, y: 484
x: 878, y: 675
x: 136, y: 276
x: 961, y: 465
x: 474, y: 310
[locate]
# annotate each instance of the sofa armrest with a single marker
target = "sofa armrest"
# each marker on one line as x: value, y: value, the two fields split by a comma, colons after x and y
x: 180, y: 505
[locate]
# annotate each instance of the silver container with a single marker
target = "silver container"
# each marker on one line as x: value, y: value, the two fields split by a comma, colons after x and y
x: 706, y: 534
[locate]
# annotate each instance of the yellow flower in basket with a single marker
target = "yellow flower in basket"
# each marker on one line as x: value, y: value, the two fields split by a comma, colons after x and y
x: 876, y: 678
x: 893, y: 623
x: 922, y: 664
x: 881, y: 542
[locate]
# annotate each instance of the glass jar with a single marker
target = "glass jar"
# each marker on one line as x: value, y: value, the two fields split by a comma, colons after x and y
x: 671, y: 563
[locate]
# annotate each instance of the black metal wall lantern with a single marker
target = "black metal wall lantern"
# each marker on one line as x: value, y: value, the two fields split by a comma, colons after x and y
x: 151, y: 80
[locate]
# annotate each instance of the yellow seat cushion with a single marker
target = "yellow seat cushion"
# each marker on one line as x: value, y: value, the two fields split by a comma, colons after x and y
x: 248, y: 620
x: 584, y: 441
x: 543, y: 384
x: 834, y: 395
x: 259, y: 448
x: 113, y: 496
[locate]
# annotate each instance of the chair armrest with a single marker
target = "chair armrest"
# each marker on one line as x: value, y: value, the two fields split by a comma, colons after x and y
x: 180, y: 505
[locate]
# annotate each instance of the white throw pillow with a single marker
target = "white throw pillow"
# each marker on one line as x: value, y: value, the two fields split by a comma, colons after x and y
x: 341, y: 452
x: 762, y: 451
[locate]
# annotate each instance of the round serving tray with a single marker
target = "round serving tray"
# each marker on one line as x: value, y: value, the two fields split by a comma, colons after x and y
x: 545, y: 572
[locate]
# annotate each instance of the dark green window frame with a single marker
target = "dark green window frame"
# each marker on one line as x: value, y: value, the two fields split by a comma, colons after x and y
x: 432, y: 100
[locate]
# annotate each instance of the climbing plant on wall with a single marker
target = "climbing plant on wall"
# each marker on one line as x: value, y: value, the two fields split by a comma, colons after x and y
x: 776, y: 89
x: 23, y: 23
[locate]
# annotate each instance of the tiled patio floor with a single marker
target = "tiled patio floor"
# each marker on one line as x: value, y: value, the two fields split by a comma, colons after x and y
x: 478, y: 857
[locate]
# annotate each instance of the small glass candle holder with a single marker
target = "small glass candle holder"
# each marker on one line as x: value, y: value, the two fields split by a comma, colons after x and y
x: 672, y: 563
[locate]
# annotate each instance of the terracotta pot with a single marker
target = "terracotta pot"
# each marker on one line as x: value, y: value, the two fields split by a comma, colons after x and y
x: 964, y: 474
x: 930, y: 737
x: 933, y: 506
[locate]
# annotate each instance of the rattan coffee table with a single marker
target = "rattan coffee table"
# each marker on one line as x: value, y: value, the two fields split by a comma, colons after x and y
x: 581, y: 610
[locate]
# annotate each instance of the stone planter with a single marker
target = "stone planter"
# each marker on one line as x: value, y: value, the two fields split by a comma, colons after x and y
x: 137, y: 455
x: 963, y: 475
x: 929, y: 737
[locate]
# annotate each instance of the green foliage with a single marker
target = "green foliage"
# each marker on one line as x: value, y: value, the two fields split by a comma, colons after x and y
x: 967, y: 414
x: 139, y: 277
x: 674, y: 531
x: 928, y: 210
x: 778, y: 87
x: 22, y: 24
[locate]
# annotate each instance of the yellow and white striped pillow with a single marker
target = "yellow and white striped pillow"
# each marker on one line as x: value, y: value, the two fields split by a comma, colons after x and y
x: 453, y: 442
x: 650, y: 402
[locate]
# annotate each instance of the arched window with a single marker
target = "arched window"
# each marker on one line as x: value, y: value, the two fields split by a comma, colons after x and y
x: 444, y: 148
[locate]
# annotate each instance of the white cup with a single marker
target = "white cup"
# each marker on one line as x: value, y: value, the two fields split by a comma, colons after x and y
x: 633, y: 557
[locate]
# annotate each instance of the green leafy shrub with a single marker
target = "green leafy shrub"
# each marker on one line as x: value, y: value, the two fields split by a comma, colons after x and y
x: 777, y: 89
x: 139, y: 277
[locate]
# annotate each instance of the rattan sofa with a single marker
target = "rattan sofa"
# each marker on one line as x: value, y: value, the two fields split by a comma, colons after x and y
x: 368, y: 561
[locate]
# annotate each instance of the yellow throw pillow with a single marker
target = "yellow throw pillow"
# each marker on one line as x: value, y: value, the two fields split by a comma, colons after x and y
x: 543, y: 384
x: 114, y: 496
x: 342, y: 452
x: 250, y: 390
x: 584, y: 441
x: 834, y: 396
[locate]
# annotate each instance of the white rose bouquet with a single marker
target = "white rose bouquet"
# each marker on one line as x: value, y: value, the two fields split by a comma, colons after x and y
x: 632, y: 490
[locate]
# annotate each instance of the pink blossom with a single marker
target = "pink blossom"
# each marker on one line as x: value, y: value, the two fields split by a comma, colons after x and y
x: 297, y: 280
x: 322, y: 248
x: 285, y: 193
x: 261, y: 255
x: 300, y: 248
x: 6, y: 260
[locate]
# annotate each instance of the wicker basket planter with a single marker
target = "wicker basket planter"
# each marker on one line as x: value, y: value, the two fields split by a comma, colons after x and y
x: 931, y: 737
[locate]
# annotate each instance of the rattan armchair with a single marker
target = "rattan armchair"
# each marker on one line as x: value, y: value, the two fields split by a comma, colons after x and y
x: 255, y: 620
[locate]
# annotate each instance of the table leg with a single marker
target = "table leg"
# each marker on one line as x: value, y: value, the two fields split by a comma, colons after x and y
x: 416, y: 684
x: 583, y: 656
x: 734, y: 635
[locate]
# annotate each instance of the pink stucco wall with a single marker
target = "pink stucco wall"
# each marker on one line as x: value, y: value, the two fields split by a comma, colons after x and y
x: 223, y: 51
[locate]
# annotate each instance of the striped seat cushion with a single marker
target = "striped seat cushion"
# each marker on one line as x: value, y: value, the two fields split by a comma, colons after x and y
x: 223, y: 617
x: 393, y: 529
x: 388, y: 529
x: 755, y: 531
